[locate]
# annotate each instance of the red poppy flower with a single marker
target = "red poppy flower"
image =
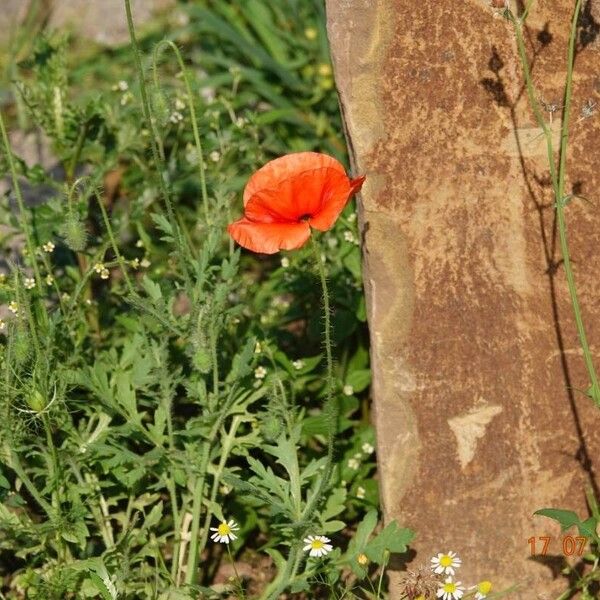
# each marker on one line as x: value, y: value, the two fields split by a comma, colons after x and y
x: 288, y: 196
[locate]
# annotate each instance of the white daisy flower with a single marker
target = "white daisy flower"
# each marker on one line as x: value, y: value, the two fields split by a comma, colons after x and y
x: 297, y: 364
x: 483, y: 589
x: 367, y: 448
x: 29, y: 283
x: 317, y: 545
x: 285, y: 262
x: 48, y: 247
x: 450, y: 590
x: 223, y: 533
x: 445, y: 563
x: 348, y: 390
x: 260, y: 373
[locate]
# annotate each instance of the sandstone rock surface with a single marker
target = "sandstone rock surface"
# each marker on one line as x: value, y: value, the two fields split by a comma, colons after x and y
x: 475, y: 356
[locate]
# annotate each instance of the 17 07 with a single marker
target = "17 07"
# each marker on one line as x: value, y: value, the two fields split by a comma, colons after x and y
x: 571, y: 545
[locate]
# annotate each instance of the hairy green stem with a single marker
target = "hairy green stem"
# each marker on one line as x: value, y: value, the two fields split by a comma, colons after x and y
x: 158, y: 162
x: 22, y: 213
x: 192, y: 563
x: 17, y: 467
x: 332, y: 413
x: 113, y: 243
x: 188, y: 89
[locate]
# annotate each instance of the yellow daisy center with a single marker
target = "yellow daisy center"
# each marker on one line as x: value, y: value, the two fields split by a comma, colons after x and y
x: 446, y: 561
x: 450, y: 587
x: 317, y: 544
x: 484, y: 587
x: 223, y: 529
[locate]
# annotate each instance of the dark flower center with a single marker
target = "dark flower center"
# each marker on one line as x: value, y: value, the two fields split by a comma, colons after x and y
x: 305, y: 217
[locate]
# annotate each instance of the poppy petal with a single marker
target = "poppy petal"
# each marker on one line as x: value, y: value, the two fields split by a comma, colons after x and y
x: 300, y: 195
x: 333, y: 205
x: 269, y: 238
x: 270, y: 175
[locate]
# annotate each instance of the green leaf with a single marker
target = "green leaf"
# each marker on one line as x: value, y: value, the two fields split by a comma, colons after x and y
x: 568, y: 519
x: 152, y: 289
x: 392, y: 539
x: 359, y: 379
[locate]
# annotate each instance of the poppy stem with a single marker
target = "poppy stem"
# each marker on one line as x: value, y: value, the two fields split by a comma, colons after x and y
x: 331, y: 411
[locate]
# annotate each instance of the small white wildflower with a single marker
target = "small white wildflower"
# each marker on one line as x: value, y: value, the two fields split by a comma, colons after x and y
x: 139, y: 244
x: 445, y: 563
x: 224, y: 532
x: 179, y: 104
x: 215, y: 156
x: 145, y: 263
x: 121, y: 86
x: 13, y: 307
x: 317, y: 545
x: 352, y: 217
x: 285, y: 262
x: 176, y: 117
x: 65, y: 296
x: 348, y: 236
x: 348, y: 390
x: 135, y: 263
x: 367, y: 448
x: 257, y: 348
x: 353, y: 464
x: 29, y: 283
x: 360, y: 492
x: 49, y: 279
x: 260, y: 373
x: 104, y: 274
x: 450, y: 590
x: 48, y: 247
x: 98, y: 268
x: 126, y: 98
x: 298, y: 364
x: 483, y: 589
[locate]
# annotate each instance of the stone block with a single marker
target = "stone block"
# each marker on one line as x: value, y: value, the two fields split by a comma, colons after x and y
x: 477, y: 370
